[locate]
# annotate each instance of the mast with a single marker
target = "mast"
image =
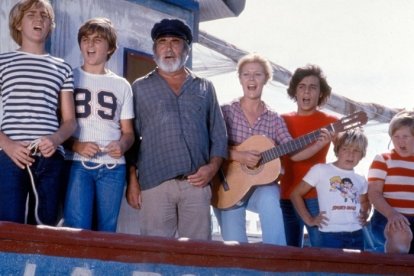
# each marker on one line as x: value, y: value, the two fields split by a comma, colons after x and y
x: 336, y: 102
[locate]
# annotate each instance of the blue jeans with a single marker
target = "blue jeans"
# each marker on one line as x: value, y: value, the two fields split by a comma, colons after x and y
x: 15, y: 186
x: 377, y: 226
x: 348, y: 240
x: 294, y: 224
x: 265, y: 201
x: 94, y: 190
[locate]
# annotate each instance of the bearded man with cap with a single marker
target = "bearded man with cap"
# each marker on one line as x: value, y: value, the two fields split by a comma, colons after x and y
x: 183, y: 141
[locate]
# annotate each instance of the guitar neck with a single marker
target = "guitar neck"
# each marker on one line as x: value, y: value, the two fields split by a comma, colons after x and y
x: 291, y: 146
x: 356, y: 119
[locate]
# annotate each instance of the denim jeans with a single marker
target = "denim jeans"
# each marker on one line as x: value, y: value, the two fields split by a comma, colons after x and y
x: 376, y: 227
x: 265, y: 202
x: 294, y: 225
x: 348, y: 240
x: 15, y: 186
x: 94, y: 190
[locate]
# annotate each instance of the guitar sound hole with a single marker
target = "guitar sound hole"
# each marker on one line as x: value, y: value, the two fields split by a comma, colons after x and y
x: 252, y: 171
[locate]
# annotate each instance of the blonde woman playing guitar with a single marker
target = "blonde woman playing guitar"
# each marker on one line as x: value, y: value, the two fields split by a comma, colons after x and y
x: 246, y: 117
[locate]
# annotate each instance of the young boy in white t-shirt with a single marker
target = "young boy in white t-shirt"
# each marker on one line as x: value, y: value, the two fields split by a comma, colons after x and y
x: 342, y: 194
x: 104, y: 112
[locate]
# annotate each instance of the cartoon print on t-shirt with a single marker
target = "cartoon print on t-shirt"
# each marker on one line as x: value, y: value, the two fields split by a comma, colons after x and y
x: 335, y: 183
x: 345, y: 187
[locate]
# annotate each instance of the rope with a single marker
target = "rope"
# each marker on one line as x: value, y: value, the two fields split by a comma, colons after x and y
x: 33, y: 147
x: 109, y: 166
x: 97, y: 166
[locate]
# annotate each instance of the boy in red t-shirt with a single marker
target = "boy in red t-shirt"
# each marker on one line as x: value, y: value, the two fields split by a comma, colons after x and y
x: 309, y: 89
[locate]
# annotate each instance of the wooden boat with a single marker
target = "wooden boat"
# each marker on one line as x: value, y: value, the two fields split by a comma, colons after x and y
x: 40, y: 250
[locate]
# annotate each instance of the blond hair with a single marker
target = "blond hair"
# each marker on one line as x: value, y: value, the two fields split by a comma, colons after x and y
x: 402, y: 119
x: 17, y: 12
x: 250, y: 58
x: 353, y: 137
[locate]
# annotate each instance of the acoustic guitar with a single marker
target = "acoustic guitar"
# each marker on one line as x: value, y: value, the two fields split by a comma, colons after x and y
x: 234, y: 180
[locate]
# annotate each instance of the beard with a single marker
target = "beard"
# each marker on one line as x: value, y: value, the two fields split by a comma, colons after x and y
x: 171, y: 65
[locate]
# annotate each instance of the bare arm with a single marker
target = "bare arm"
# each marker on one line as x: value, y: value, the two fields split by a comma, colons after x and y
x: 205, y: 173
x: 133, y: 192
x: 298, y: 202
x: 48, y: 144
x: 250, y: 158
x: 375, y: 194
x: 117, y: 149
x: 86, y: 149
x: 17, y: 151
x: 365, y: 209
x: 324, y: 138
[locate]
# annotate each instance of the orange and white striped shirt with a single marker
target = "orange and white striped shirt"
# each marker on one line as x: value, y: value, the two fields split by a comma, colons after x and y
x: 398, y: 175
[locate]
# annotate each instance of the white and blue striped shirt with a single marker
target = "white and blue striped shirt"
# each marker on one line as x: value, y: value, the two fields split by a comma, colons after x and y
x: 29, y: 89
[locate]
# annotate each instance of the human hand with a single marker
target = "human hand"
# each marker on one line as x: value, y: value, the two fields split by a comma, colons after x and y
x: 250, y: 158
x: 47, y: 146
x: 133, y: 193
x: 114, y: 149
x: 19, y: 153
x: 397, y: 222
x: 86, y: 149
x: 203, y: 176
x: 320, y: 220
x: 363, y: 217
x: 325, y: 137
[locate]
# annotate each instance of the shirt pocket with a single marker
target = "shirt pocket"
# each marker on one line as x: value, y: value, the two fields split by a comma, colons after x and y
x: 193, y: 108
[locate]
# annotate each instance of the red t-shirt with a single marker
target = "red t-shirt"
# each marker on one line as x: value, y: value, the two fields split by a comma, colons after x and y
x: 294, y: 171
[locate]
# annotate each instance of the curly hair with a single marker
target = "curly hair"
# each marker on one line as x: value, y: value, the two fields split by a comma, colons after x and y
x: 310, y: 70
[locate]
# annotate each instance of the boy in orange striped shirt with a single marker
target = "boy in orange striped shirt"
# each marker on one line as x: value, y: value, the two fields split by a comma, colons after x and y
x: 391, y: 188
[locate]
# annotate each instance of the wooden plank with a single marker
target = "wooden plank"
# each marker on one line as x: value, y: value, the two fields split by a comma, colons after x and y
x: 139, y: 249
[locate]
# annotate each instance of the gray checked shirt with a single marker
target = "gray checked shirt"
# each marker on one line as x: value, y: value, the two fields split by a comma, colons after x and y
x: 178, y: 133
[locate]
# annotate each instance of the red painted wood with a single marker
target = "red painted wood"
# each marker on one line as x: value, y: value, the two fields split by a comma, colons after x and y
x: 139, y: 249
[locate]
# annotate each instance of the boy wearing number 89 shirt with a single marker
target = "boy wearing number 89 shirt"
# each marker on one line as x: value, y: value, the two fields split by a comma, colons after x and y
x: 104, y: 112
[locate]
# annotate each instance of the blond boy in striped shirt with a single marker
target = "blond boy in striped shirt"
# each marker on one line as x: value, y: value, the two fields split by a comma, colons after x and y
x: 391, y: 188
